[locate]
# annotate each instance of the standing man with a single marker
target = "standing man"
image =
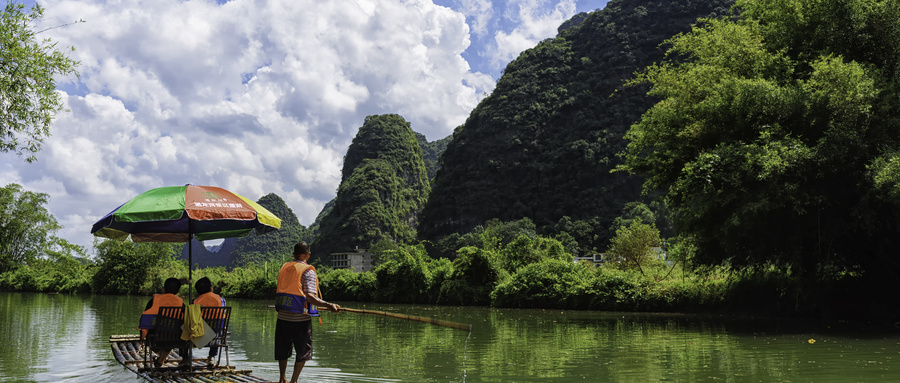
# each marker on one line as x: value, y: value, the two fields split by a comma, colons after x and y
x: 298, y: 291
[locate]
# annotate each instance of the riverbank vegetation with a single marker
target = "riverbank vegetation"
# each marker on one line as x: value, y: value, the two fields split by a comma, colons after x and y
x: 522, y: 271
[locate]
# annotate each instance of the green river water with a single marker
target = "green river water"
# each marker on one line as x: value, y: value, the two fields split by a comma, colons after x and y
x: 53, y: 338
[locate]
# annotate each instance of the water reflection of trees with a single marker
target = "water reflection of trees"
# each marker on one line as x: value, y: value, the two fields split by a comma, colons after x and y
x: 504, y: 345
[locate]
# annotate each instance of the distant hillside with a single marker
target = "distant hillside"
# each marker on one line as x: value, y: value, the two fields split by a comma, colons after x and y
x: 384, y: 185
x: 431, y: 153
x: 219, y: 256
x: 274, y: 245
x: 255, y: 248
x: 543, y: 143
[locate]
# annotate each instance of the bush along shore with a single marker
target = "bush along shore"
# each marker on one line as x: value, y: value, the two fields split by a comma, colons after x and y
x: 526, y: 272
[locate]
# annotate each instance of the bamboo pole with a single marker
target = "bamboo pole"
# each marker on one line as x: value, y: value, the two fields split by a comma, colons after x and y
x: 439, y: 322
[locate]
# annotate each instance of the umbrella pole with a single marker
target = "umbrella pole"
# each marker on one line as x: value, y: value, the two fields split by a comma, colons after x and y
x: 190, y: 267
x: 190, y: 348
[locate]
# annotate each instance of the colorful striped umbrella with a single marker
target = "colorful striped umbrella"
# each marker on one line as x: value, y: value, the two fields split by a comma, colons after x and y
x: 179, y: 213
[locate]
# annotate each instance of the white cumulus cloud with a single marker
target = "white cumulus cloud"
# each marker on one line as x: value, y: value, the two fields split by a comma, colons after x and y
x: 256, y: 96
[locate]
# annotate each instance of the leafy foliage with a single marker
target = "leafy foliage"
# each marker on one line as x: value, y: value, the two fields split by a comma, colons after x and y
x: 63, y: 269
x: 28, y: 72
x: 770, y: 140
x: 404, y: 277
x: 348, y: 285
x: 26, y: 226
x: 551, y: 283
x: 632, y: 247
x: 251, y: 281
x: 524, y: 250
x: 123, y: 266
x: 493, y: 236
x: 475, y: 273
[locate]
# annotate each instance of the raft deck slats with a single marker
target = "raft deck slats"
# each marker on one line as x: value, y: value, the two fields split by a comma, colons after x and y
x: 127, y: 351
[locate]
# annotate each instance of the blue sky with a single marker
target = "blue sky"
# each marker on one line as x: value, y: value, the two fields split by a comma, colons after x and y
x: 489, y: 19
x: 258, y: 96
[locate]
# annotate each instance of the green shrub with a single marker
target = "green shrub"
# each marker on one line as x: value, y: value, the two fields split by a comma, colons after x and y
x: 526, y: 250
x: 767, y: 288
x: 440, y: 271
x: 166, y: 268
x: 403, y: 277
x: 689, y: 294
x: 124, y: 267
x: 615, y: 290
x: 347, y: 285
x: 476, y: 273
x: 250, y: 281
x: 551, y: 283
x: 61, y: 274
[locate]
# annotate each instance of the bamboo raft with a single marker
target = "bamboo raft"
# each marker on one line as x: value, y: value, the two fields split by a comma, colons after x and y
x: 127, y: 350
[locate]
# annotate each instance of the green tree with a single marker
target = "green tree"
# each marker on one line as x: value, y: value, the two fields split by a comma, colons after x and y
x: 768, y: 138
x: 475, y: 274
x: 28, y: 98
x: 632, y: 247
x: 526, y: 250
x: 26, y: 226
x: 71, y: 268
x: 123, y: 266
x: 590, y: 236
x: 633, y: 211
x: 62, y: 268
x: 403, y: 276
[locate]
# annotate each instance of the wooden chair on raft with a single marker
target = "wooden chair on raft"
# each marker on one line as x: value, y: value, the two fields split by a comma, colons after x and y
x: 218, y: 318
x: 165, y: 336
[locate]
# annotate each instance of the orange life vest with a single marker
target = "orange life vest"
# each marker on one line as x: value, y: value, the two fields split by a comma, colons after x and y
x: 209, y: 299
x: 148, y: 317
x: 289, y: 295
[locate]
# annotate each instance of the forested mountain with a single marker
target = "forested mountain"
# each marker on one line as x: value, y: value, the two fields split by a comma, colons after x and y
x: 273, y: 246
x: 431, y: 153
x: 541, y: 146
x: 383, y: 188
x: 543, y: 143
x: 234, y: 252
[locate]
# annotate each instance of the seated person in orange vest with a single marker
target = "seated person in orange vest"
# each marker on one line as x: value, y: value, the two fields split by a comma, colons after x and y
x: 148, y: 317
x: 208, y: 298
